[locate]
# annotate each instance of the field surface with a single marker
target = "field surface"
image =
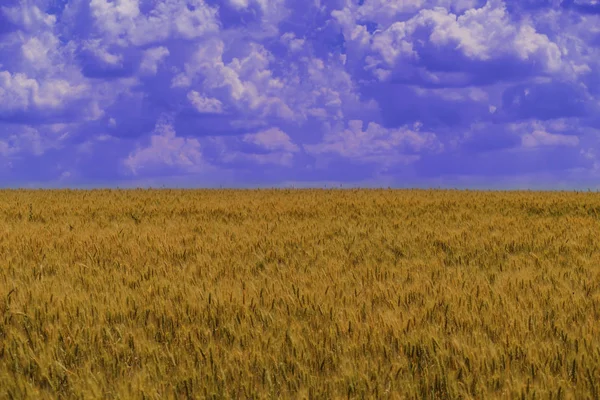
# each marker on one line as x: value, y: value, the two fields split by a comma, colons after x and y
x: 299, y: 294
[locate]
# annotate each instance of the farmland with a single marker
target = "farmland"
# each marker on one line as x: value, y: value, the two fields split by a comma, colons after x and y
x: 299, y: 293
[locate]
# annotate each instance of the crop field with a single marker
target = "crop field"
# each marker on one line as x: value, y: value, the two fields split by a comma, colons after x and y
x: 402, y: 294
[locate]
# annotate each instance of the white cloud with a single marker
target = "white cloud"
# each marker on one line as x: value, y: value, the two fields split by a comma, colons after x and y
x: 15, y: 90
x: 181, y: 80
x: 482, y: 34
x: 468, y: 93
x: 293, y: 43
x: 114, y: 18
x: 102, y: 54
x: 375, y: 143
x: 20, y: 93
x: 276, y: 148
x: 18, y: 140
x: 44, y: 78
x: 488, y: 32
x: 272, y: 12
x: 330, y: 91
x: 250, y: 84
x: 38, y: 51
x: 272, y: 139
x: 297, y: 79
x: 542, y: 138
x: 29, y: 17
x: 384, y: 12
x: 205, y: 104
x: 239, y: 4
x: 152, y: 57
x: 591, y: 155
x: 167, y: 150
x: 121, y: 22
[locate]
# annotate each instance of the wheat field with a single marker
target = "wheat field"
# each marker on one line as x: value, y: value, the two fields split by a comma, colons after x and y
x: 401, y: 294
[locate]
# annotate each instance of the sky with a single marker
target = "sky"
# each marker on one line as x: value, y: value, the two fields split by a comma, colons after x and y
x: 303, y: 93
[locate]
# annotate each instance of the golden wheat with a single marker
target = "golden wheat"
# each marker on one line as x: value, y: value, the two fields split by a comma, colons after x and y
x: 299, y: 294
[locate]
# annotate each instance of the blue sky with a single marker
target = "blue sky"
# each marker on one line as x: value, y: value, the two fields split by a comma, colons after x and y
x: 245, y: 93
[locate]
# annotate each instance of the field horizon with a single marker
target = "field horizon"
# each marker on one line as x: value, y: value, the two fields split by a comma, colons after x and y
x: 299, y: 293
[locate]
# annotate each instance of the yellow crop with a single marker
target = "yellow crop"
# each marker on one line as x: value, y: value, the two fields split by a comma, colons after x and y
x: 299, y: 294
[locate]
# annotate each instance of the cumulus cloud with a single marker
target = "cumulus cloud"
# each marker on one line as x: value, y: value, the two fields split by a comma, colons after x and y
x: 152, y: 57
x: 400, y: 90
x: 123, y: 23
x: 375, y: 143
x: 25, y: 140
x: 290, y: 40
x: 18, y: 92
x: 205, y: 104
x: 438, y: 47
x: 246, y: 82
x: 272, y: 139
x: 166, y: 150
x: 542, y: 138
x: 270, y: 146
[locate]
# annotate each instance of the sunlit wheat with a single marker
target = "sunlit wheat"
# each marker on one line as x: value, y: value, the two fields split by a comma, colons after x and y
x: 299, y: 293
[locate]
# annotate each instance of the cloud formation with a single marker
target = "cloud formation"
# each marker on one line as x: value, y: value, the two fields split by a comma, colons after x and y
x: 262, y: 92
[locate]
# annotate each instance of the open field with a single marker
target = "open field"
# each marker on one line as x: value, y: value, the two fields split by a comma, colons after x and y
x: 301, y: 294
